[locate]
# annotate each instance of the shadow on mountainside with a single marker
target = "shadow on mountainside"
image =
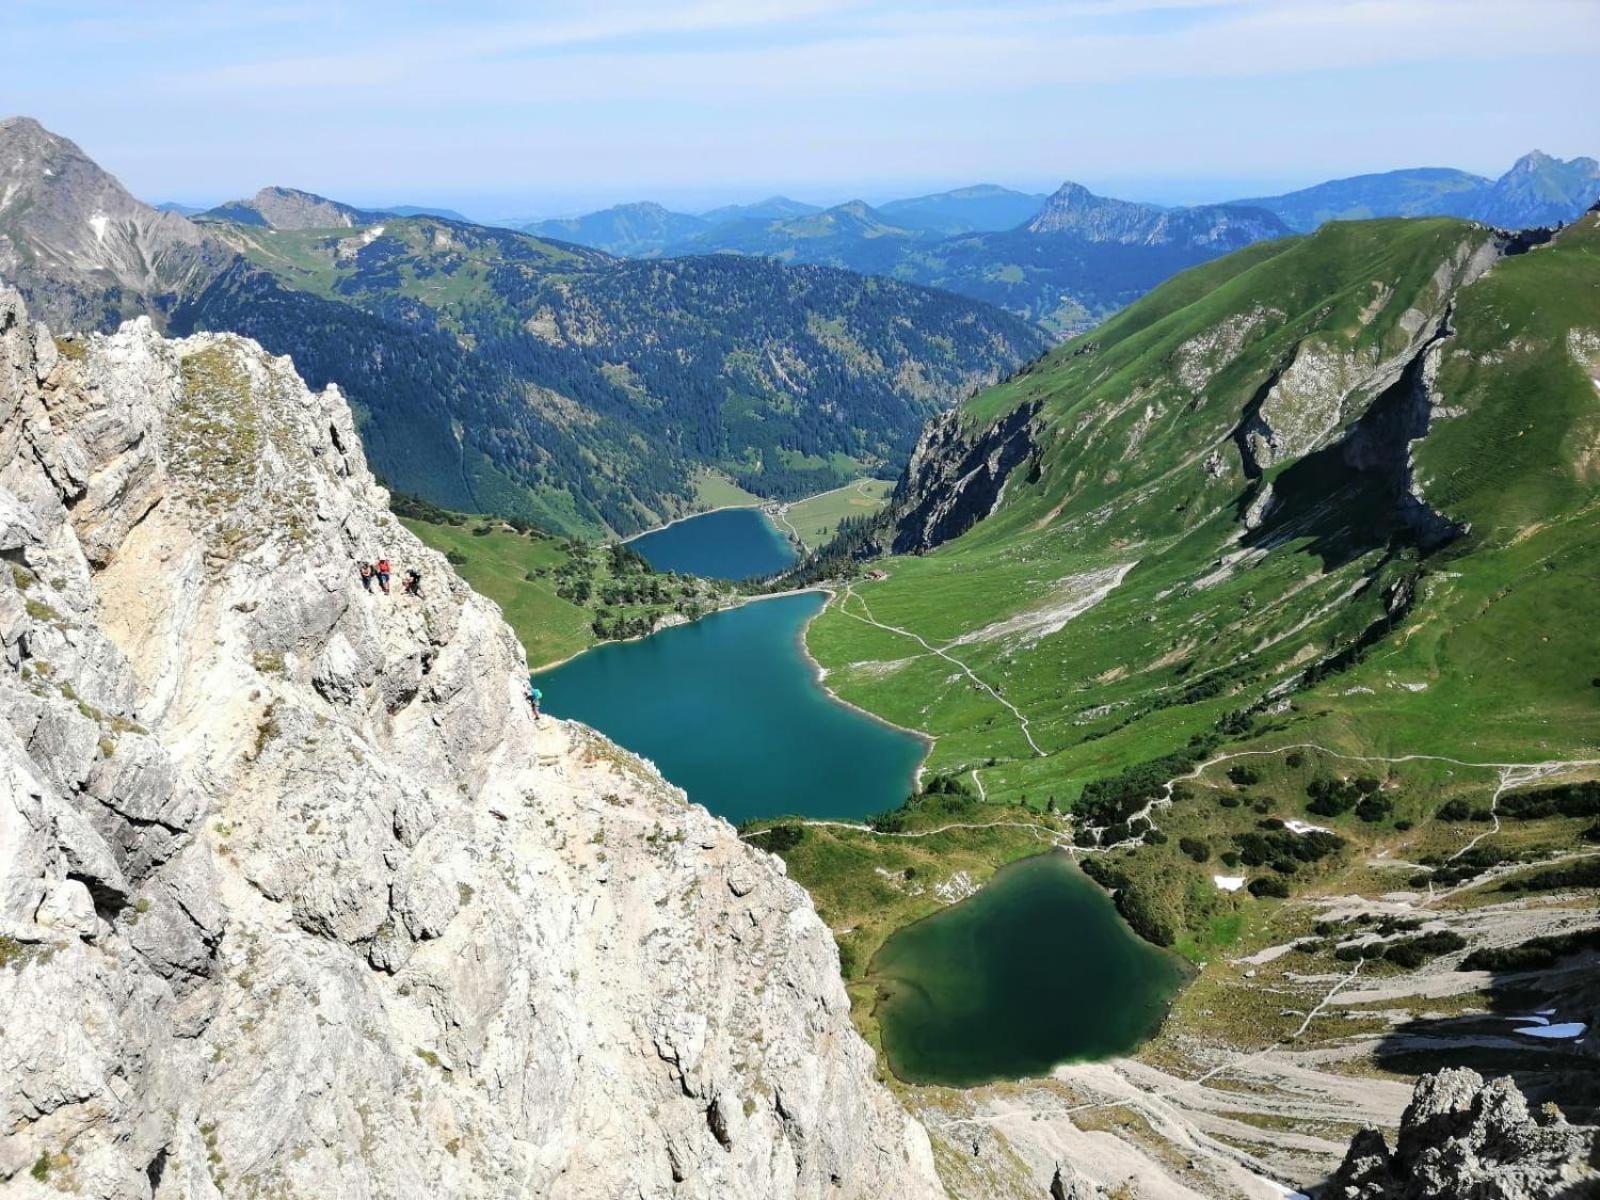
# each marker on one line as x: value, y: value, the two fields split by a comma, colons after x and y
x: 1565, y: 1072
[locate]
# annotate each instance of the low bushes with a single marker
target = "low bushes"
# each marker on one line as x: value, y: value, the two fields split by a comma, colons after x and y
x: 1532, y: 955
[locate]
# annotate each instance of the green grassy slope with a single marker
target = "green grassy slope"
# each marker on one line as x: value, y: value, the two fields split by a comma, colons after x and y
x: 1116, y: 609
x: 562, y: 596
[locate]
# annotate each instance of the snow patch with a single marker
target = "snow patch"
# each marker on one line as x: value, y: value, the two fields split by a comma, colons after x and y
x: 372, y: 235
x: 1228, y: 883
x: 99, y: 223
x: 1565, y: 1032
x: 1305, y: 827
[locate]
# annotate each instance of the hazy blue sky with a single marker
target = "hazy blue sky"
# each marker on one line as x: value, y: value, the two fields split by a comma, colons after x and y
x: 536, y: 108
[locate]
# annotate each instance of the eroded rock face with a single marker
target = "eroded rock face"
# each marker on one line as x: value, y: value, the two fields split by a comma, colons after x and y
x: 957, y: 477
x: 1464, y: 1137
x: 297, y: 900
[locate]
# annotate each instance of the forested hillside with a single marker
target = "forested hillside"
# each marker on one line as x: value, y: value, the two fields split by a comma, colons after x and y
x: 499, y: 372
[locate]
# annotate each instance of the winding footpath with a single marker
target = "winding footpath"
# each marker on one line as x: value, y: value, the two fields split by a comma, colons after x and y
x: 1022, y: 721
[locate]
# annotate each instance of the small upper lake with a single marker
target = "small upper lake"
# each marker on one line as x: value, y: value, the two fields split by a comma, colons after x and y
x: 730, y: 709
x: 731, y: 543
x: 1035, y: 970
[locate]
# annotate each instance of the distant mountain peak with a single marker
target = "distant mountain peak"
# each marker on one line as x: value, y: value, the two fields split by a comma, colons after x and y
x: 1074, y: 209
x: 291, y: 208
x: 83, y: 251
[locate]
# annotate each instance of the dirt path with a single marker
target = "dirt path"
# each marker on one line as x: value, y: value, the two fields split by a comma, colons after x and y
x: 850, y: 593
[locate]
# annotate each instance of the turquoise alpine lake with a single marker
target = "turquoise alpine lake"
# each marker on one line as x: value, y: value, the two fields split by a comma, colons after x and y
x: 731, y: 710
x: 1035, y: 969
x: 730, y: 543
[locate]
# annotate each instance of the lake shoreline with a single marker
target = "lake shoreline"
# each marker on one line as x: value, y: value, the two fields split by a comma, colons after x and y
x: 818, y: 671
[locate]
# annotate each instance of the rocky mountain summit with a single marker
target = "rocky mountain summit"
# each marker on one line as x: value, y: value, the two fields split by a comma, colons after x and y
x: 1074, y: 209
x: 82, y: 250
x: 296, y: 899
x: 290, y: 208
x: 1464, y: 1137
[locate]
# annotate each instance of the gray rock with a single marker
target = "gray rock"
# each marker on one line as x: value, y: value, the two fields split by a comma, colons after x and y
x: 1463, y: 1137
x: 303, y: 903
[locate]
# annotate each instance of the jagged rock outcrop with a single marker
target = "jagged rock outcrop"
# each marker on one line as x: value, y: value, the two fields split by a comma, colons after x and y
x: 295, y: 897
x: 1329, y: 379
x: 956, y: 477
x: 1463, y: 1137
x: 84, y: 252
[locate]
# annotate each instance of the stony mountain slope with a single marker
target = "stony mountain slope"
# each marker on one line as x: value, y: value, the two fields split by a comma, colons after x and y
x: 290, y: 208
x: 83, y: 251
x: 1461, y: 1136
x: 295, y: 897
x: 1073, y: 208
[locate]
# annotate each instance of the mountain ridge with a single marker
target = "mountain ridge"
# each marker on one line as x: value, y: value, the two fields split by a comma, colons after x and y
x: 496, y: 371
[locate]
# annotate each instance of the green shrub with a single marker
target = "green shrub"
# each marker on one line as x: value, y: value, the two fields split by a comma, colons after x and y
x: 780, y: 838
x: 1532, y: 955
x: 1563, y: 800
x: 1585, y: 873
x: 1195, y: 848
x: 1413, y: 952
x: 1269, y: 885
x: 1455, y: 810
x: 1374, y: 808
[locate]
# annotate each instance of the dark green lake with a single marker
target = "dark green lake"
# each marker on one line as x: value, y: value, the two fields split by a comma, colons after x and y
x: 730, y: 709
x: 1035, y: 970
x: 731, y: 543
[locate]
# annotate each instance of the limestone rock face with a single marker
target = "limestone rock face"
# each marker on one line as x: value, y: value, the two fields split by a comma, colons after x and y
x: 957, y: 477
x: 297, y: 900
x: 1464, y: 1137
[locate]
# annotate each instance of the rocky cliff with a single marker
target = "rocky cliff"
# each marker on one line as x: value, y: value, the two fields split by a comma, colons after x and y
x: 296, y: 899
x: 956, y: 477
x: 1464, y: 1137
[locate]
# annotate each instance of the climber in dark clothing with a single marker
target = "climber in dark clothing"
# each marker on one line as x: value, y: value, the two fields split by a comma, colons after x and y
x: 412, y: 586
x: 366, y: 575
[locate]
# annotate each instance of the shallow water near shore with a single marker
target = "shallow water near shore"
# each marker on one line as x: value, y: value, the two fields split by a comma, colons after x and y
x: 1034, y: 970
x: 730, y: 543
x: 731, y: 710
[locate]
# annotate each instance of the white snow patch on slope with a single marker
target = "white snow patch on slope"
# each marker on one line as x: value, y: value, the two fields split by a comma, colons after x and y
x: 1565, y: 1032
x: 1305, y: 827
x: 1228, y: 883
x: 99, y: 223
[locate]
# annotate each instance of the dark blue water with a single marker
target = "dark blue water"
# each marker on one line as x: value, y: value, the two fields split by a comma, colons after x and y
x: 1034, y: 970
x: 731, y: 543
x: 731, y: 711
